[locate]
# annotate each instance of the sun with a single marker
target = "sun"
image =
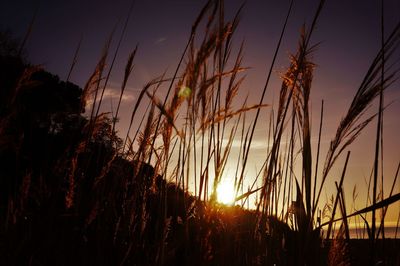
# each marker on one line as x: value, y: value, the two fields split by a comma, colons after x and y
x: 226, y: 193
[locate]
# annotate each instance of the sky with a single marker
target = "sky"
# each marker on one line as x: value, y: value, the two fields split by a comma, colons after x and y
x: 348, y: 33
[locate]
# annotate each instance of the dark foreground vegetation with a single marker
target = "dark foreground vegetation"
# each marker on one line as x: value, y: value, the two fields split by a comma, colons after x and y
x: 72, y: 192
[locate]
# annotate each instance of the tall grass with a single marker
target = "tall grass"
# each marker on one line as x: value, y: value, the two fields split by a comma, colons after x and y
x: 151, y: 198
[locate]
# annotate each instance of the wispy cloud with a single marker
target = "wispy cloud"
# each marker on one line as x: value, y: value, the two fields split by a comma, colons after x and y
x: 128, y: 96
x: 255, y: 144
x: 160, y: 40
x: 113, y: 93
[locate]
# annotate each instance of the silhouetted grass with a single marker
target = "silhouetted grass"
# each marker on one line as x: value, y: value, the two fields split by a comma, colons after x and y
x: 74, y: 193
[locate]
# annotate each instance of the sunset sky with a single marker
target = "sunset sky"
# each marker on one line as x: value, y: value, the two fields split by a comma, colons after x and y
x: 348, y: 33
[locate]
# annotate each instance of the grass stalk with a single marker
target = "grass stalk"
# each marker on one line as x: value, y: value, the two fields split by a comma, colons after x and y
x: 318, y: 151
x: 75, y: 59
x: 265, y: 89
x: 378, y: 132
x: 114, y: 57
x: 128, y: 71
x: 337, y: 197
x: 342, y: 203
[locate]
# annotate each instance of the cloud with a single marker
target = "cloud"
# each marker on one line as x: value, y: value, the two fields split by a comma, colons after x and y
x: 128, y: 96
x: 160, y: 40
x: 255, y: 144
x: 113, y: 93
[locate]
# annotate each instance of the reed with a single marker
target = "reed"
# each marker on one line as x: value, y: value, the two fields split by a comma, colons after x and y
x: 150, y: 198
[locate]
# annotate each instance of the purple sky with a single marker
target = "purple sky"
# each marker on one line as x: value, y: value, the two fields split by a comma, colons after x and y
x: 349, y: 32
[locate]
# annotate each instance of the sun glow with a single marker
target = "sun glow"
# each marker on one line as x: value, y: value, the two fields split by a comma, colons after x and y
x: 226, y: 193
